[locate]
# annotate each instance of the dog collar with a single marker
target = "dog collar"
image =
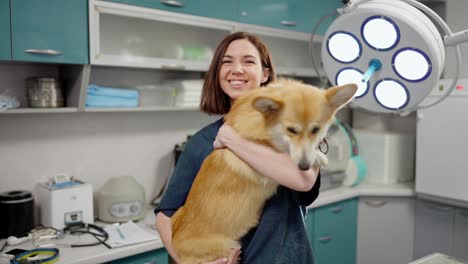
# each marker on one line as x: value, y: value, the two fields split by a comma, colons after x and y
x: 23, y: 257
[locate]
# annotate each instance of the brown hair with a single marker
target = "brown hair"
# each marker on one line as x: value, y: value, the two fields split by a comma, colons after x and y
x: 213, y: 99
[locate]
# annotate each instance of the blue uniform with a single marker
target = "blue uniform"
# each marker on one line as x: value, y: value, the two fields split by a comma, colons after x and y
x: 280, y: 236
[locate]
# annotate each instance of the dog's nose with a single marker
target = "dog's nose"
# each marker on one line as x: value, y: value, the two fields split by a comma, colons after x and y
x: 304, y: 166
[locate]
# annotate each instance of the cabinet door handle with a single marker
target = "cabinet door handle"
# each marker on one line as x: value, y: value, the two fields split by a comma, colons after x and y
x: 376, y: 203
x: 173, y: 3
x: 288, y: 23
x: 173, y: 67
x: 463, y: 213
x: 438, y: 207
x: 43, y: 51
x: 337, y: 209
x: 325, y: 239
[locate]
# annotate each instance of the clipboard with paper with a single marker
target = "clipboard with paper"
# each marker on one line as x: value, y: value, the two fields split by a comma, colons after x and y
x: 128, y: 233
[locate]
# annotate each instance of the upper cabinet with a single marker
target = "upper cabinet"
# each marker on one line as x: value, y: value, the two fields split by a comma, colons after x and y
x: 132, y: 36
x: 228, y: 10
x: 5, y: 41
x: 135, y: 36
x: 56, y: 31
x: 297, y: 15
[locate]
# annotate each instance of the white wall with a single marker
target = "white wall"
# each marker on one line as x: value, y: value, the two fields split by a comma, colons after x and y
x: 92, y: 146
x: 456, y: 18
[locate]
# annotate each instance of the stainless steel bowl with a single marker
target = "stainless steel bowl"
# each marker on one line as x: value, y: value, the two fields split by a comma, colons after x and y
x: 44, y: 92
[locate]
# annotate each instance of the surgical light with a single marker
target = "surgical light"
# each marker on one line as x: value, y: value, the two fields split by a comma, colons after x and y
x: 392, y: 50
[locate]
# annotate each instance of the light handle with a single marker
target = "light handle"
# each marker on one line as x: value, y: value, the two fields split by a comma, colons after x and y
x: 374, y: 65
x: 456, y: 38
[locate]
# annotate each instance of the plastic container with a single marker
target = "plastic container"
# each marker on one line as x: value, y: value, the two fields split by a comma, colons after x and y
x: 156, y: 95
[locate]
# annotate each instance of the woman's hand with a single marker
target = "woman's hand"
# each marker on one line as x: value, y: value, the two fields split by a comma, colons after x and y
x: 232, y: 259
x: 225, y: 135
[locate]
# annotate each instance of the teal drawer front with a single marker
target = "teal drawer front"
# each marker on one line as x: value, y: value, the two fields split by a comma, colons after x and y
x: 334, y: 233
x: 227, y: 10
x: 57, y: 25
x: 159, y: 256
x: 5, y: 41
x: 297, y: 15
x: 269, y: 13
x: 309, y: 13
x: 309, y: 221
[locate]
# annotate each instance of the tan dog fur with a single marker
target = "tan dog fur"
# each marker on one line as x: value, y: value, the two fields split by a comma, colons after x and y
x: 227, y: 196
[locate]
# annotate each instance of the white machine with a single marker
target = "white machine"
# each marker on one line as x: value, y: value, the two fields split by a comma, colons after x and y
x: 345, y: 166
x: 389, y: 156
x: 66, y: 205
x: 441, y: 159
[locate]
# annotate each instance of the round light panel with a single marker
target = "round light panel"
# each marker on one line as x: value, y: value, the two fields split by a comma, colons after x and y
x: 412, y: 64
x: 351, y: 75
x: 380, y: 33
x: 344, y: 47
x: 391, y: 94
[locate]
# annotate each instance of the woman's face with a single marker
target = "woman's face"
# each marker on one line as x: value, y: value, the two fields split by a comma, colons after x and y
x: 241, y: 69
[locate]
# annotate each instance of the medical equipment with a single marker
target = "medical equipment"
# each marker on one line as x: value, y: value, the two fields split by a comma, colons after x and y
x: 32, y: 235
x: 62, y: 204
x: 121, y: 199
x: 392, y: 51
x: 37, y: 255
x: 75, y: 229
x: 17, y: 209
x: 345, y: 166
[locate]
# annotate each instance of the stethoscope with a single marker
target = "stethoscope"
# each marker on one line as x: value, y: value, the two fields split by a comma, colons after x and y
x: 36, y: 255
x: 75, y: 229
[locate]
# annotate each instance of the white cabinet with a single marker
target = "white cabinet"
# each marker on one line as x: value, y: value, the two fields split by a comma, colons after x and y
x: 139, y: 37
x: 131, y: 36
x: 441, y: 228
x: 441, y: 162
x: 292, y: 52
x: 460, y: 234
x: 385, y: 230
x: 433, y: 229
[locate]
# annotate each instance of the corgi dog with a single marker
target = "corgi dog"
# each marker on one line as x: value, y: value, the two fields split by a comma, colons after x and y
x: 287, y: 115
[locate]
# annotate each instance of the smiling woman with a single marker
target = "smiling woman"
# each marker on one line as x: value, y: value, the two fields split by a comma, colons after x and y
x: 241, y: 63
x: 241, y: 69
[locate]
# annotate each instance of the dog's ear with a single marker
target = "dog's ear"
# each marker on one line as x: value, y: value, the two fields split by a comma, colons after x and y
x: 339, y: 96
x: 267, y: 104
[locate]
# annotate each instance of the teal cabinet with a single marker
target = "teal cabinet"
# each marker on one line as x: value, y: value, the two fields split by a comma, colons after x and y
x: 296, y: 15
x: 5, y: 41
x: 227, y: 10
x: 158, y: 256
x: 52, y: 31
x: 269, y: 13
x: 307, y: 14
x: 332, y: 232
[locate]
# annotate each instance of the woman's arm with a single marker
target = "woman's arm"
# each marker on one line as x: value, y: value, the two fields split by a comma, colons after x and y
x: 164, y: 227
x: 267, y: 161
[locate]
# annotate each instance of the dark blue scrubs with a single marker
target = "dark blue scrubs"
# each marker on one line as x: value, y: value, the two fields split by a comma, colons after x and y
x: 280, y: 236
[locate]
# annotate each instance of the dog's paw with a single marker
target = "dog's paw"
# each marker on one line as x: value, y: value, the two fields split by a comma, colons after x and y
x: 321, y: 159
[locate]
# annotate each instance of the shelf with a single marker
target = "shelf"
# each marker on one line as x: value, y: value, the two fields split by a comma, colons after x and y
x: 139, y: 109
x: 39, y: 110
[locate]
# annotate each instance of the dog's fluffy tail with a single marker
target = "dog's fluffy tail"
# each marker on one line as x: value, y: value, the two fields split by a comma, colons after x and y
x: 202, y: 250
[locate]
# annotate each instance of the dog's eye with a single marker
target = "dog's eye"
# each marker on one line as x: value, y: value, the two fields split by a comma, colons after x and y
x: 292, y: 130
x: 315, y: 130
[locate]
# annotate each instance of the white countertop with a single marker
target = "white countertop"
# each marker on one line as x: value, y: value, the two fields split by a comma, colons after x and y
x: 99, y: 254
x: 343, y: 193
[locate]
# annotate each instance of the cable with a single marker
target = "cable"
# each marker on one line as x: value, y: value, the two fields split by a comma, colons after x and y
x: 311, y: 44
